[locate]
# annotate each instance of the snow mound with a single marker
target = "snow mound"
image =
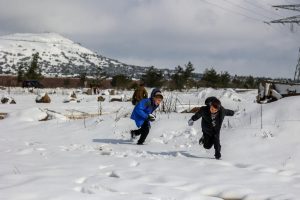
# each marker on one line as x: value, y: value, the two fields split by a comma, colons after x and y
x: 40, y: 96
x: 223, y: 94
x: 30, y: 115
x: 206, y: 93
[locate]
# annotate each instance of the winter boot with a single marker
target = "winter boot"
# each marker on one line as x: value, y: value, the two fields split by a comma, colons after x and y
x: 218, y: 155
x: 132, y: 133
x: 201, y: 141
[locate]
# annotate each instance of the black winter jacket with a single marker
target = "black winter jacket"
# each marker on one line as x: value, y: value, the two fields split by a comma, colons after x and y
x: 206, y: 123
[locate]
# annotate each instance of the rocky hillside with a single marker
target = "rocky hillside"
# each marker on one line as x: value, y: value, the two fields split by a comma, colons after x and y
x: 59, y: 57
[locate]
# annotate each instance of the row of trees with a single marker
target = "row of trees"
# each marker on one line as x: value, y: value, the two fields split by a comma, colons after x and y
x: 154, y: 78
x: 182, y: 78
x: 224, y: 80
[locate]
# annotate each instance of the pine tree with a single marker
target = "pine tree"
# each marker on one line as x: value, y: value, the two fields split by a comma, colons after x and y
x: 178, y: 78
x: 250, y: 82
x: 224, y: 79
x: 20, y: 75
x: 183, y: 77
x: 188, y: 73
x: 211, y: 77
x: 153, y: 78
x: 34, y: 72
x: 83, y: 79
x: 120, y: 81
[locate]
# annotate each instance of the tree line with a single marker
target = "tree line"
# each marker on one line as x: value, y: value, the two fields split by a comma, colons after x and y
x: 181, y: 79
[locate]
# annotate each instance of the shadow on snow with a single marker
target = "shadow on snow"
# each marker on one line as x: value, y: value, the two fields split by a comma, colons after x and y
x: 168, y: 153
x: 113, y: 141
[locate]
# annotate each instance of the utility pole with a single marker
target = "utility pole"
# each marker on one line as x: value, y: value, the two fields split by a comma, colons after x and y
x: 290, y: 20
x: 297, y: 71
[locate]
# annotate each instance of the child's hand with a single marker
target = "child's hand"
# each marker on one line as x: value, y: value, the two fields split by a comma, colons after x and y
x: 191, y: 122
x: 151, y: 117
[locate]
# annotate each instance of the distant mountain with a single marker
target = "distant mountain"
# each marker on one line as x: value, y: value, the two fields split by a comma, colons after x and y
x: 60, y: 57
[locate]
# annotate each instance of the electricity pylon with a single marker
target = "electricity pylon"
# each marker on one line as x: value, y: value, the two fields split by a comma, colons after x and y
x: 290, y: 20
x: 297, y: 72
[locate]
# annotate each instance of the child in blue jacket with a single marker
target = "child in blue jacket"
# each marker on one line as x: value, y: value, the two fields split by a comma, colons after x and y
x: 142, y: 115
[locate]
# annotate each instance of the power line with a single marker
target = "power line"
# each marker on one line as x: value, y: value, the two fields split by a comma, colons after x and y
x: 251, y: 11
x: 290, y: 2
x: 260, y: 7
x: 232, y: 11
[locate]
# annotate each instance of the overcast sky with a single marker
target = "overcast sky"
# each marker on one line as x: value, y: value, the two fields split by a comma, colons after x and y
x: 228, y: 35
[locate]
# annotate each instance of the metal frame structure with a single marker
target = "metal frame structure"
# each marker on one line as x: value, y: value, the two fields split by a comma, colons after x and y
x: 288, y: 20
x: 291, y: 20
x: 297, y: 72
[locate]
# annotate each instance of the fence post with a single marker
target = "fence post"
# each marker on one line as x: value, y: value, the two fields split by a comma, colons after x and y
x: 261, y: 116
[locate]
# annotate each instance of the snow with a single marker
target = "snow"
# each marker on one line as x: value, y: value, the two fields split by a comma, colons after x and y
x: 57, y: 54
x: 93, y: 157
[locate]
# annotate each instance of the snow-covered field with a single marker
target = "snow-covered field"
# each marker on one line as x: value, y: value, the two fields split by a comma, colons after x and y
x: 94, y: 158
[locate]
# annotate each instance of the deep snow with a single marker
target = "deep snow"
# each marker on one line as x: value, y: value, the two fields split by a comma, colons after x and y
x: 94, y: 158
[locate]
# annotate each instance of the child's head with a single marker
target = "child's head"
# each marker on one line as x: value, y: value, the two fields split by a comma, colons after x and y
x: 215, y: 106
x: 157, y: 98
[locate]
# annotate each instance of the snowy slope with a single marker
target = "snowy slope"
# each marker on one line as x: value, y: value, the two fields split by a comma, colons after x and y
x: 59, y: 55
x: 94, y: 158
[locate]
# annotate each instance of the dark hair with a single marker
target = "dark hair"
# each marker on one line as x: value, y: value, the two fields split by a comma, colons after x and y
x: 216, y: 103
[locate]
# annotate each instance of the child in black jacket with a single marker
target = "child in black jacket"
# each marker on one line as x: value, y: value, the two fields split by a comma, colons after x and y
x: 212, y: 115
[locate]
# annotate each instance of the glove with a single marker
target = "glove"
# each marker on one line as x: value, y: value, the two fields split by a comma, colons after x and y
x: 191, y: 122
x: 151, y: 117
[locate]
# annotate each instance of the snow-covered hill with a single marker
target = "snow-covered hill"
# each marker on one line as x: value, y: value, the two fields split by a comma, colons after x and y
x: 59, y: 56
x: 94, y: 158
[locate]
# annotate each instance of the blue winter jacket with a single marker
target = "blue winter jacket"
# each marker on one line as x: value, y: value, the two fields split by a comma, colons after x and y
x: 142, y: 110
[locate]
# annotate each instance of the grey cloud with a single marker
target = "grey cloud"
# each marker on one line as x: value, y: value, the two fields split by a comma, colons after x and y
x: 163, y: 33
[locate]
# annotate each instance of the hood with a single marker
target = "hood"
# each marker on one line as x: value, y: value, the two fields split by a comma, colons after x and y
x: 154, y: 91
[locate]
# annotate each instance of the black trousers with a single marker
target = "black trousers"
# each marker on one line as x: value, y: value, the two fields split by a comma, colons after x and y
x: 210, y: 140
x: 143, y: 132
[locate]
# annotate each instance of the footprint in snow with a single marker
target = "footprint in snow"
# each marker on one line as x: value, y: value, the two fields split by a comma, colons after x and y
x: 84, y: 190
x: 25, y: 151
x: 81, y: 180
x: 105, y: 166
x: 241, y: 165
x: 40, y: 149
x: 134, y: 164
x: 265, y: 169
x: 112, y: 174
x: 92, y: 189
x: 32, y: 143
